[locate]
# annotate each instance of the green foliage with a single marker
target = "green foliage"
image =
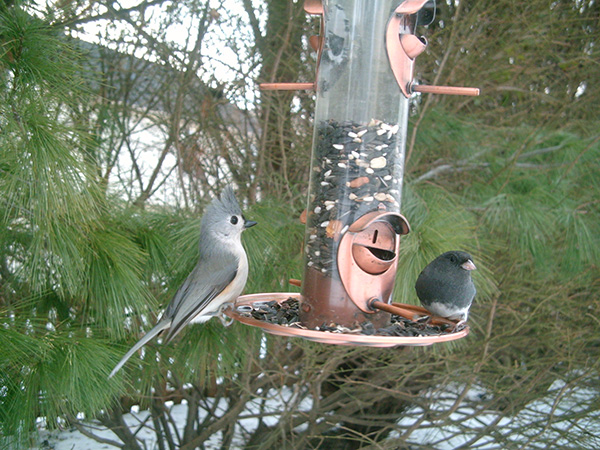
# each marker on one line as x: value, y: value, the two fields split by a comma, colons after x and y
x: 519, y: 186
x: 439, y: 223
x: 112, y: 284
x: 274, y: 247
x: 528, y: 197
x: 36, y: 54
x: 46, y: 200
x: 69, y: 270
x: 535, y: 62
x: 511, y: 177
x: 50, y: 373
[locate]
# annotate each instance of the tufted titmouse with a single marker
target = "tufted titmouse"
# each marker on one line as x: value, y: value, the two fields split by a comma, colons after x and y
x: 218, y: 278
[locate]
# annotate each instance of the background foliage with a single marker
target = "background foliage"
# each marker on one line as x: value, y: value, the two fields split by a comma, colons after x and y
x: 110, y: 152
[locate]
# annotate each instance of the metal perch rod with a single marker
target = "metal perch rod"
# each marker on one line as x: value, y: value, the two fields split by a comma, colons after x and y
x: 410, y: 312
x: 448, y: 90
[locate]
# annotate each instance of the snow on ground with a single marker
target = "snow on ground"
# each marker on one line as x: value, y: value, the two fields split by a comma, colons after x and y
x: 275, y: 404
x: 553, y: 415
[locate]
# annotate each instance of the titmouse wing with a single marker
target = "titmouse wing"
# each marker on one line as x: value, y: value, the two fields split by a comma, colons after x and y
x: 201, y: 287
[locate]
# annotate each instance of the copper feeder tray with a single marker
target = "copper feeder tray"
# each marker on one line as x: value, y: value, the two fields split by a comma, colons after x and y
x: 328, y: 337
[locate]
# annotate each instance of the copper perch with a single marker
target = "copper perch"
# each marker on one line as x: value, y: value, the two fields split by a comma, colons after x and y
x: 287, y: 86
x: 410, y: 312
x: 313, y: 7
x: 448, y: 90
x: 295, y: 282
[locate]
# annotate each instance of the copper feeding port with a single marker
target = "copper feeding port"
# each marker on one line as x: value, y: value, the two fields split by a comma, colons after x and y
x: 368, y: 257
x: 403, y: 46
x: 374, y: 248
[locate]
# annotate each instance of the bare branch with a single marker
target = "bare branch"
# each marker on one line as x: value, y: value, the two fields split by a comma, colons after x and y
x: 83, y: 429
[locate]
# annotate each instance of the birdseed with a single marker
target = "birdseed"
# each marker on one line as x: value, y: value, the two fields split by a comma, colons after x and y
x: 357, y: 168
x: 287, y: 314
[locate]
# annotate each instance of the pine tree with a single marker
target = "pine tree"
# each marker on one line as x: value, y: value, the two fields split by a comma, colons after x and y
x: 511, y: 177
x: 70, y: 266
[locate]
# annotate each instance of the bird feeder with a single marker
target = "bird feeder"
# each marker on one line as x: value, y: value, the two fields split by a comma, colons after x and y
x: 364, y: 80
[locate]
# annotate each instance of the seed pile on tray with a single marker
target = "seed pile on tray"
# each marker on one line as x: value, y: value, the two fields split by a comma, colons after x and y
x: 355, y: 171
x: 287, y: 313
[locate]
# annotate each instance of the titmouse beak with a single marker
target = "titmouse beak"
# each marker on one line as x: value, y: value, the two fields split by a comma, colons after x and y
x: 468, y: 265
x: 249, y: 223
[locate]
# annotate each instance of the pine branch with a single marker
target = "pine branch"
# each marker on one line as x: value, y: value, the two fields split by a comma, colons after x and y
x: 113, y: 419
x: 83, y: 429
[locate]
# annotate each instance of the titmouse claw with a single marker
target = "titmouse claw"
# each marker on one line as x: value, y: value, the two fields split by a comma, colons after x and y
x: 459, y: 325
x: 225, y: 320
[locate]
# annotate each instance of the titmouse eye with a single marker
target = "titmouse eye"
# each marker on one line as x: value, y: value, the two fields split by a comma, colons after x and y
x: 234, y: 220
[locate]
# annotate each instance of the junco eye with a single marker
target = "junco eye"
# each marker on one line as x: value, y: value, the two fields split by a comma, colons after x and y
x: 233, y: 220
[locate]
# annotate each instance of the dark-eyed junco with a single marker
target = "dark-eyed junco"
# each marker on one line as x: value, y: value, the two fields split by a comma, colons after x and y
x: 445, y: 287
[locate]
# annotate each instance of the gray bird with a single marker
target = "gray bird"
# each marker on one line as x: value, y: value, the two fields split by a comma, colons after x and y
x: 218, y: 278
x: 445, y: 287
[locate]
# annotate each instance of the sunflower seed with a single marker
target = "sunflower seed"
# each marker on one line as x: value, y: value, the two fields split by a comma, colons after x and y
x: 378, y: 163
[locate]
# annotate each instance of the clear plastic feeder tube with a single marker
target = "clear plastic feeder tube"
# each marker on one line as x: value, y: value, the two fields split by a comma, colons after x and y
x: 359, y: 139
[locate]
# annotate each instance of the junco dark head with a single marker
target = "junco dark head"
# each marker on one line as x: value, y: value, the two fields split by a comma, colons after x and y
x: 445, y: 287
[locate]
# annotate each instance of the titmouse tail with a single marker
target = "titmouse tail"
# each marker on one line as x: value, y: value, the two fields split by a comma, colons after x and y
x: 160, y: 326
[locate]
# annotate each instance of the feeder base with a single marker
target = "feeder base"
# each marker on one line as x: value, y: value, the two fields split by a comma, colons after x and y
x: 246, y: 303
